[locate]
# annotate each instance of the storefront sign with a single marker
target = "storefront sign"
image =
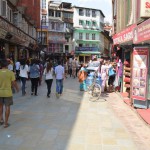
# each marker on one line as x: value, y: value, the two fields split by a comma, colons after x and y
x: 124, y: 36
x: 139, y: 73
x: 87, y: 49
x: 144, y: 8
x: 142, y: 32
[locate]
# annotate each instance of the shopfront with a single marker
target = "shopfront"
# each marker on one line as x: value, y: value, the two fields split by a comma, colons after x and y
x: 141, y: 65
x: 85, y: 54
x: 123, y: 42
x: 11, y: 39
x: 136, y: 70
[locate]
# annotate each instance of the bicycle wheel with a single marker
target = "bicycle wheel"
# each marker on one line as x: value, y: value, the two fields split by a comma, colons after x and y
x: 90, y: 88
x: 95, y: 92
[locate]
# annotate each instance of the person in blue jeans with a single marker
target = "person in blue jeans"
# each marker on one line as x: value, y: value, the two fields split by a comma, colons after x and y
x: 24, y: 69
x: 60, y: 74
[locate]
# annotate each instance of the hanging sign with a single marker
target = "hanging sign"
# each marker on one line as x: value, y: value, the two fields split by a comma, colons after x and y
x: 139, y: 73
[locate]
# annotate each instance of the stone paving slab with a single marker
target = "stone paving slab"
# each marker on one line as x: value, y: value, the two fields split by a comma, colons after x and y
x: 71, y: 122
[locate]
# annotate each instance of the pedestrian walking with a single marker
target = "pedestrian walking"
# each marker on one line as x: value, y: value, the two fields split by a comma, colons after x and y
x: 48, y: 72
x: 82, y: 75
x: 73, y: 64
x: 77, y: 67
x: 10, y: 65
x: 7, y: 79
x: 41, y: 72
x: 70, y: 68
x: 24, y: 69
x: 60, y: 74
x: 111, y: 73
x: 17, y: 68
x: 104, y: 75
x: 66, y: 68
x: 34, y: 76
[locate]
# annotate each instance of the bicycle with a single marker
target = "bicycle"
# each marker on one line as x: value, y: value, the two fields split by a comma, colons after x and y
x: 94, y: 90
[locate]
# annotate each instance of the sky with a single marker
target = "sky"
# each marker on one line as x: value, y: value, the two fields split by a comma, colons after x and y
x: 103, y: 5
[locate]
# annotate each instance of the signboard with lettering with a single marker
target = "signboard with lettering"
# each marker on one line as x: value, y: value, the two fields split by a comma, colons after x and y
x: 87, y: 49
x: 144, y: 8
x: 139, y: 73
x: 142, y: 32
x: 124, y: 36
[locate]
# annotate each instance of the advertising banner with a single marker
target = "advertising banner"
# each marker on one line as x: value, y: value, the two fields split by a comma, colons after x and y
x: 142, y: 32
x: 139, y: 73
x: 124, y: 36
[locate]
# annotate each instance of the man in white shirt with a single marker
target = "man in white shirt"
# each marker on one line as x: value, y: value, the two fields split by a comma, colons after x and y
x: 17, y: 66
x: 59, y: 72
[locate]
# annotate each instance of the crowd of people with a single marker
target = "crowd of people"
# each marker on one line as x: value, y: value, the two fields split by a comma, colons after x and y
x: 34, y: 70
x: 109, y: 72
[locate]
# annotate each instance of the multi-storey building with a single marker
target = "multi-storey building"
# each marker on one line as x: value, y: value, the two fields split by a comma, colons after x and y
x: 56, y: 28
x: 60, y: 23
x: 131, y: 28
x: 88, y: 23
x: 17, y: 31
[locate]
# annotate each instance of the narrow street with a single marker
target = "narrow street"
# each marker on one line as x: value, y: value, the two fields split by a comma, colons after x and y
x: 72, y: 122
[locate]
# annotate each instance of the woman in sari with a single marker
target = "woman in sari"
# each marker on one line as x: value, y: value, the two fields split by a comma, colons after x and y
x: 82, y: 78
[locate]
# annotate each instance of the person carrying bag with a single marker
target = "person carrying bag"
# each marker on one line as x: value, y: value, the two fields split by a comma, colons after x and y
x: 82, y: 75
x: 111, y: 74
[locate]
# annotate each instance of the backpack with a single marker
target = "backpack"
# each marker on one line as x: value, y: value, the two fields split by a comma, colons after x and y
x: 111, y: 72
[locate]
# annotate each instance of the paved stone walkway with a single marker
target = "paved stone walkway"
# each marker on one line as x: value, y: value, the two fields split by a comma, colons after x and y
x: 71, y: 122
